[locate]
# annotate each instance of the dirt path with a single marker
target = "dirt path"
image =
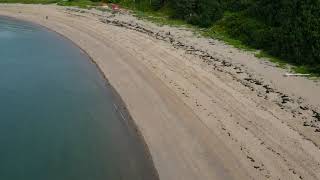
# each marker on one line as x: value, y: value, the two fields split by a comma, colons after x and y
x: 205, y: 113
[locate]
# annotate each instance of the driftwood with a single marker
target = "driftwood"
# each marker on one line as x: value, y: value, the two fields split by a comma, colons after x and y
x: 295, y: 75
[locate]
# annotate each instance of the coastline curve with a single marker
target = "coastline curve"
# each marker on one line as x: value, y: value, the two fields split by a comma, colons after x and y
x: 118, y: 103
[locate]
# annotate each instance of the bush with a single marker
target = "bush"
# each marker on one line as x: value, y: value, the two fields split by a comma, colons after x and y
x: 237, y: 5
x: 289, y: 29
x: 295, y: 28
x: 157, y: 4
x: 248, y: 30
x: 198, y: 12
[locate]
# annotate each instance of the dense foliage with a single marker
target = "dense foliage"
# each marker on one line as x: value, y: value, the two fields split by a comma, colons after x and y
x: 289, y: 29
x: 198, y: 12
x: 293, y: 28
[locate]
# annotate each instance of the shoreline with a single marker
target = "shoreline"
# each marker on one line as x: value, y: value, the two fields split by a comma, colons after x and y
x: 119, y: 104
x: 196, y: 122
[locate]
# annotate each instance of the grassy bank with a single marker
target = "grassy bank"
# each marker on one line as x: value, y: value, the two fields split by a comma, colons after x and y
x: 79, y: 3
x: 285, y: 32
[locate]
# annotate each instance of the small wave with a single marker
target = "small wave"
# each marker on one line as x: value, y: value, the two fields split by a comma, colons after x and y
x: 7, y: 34
x: 13, y: 26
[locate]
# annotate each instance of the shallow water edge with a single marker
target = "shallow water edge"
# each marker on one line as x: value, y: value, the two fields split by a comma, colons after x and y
x: 118, y: 102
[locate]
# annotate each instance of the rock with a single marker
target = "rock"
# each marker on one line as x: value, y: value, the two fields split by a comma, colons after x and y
x: 306, y: 123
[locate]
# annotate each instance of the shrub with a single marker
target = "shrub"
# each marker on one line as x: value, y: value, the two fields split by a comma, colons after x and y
x: 198, y: 12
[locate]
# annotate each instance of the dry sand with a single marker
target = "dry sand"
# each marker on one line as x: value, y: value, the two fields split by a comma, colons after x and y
x: 206, y: 110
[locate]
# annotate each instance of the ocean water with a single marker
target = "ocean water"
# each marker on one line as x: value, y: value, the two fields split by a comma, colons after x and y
x: 57, y: 118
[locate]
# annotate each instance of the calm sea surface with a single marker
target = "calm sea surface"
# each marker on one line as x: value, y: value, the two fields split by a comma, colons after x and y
x: 57, y: 119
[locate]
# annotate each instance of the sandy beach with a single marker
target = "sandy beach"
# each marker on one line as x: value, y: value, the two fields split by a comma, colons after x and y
x: 205, y: 110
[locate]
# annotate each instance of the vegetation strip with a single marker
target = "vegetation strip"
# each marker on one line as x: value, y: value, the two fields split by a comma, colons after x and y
x: 287, y: 32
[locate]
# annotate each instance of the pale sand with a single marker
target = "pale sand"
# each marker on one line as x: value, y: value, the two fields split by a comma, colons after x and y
x: 205, y: 111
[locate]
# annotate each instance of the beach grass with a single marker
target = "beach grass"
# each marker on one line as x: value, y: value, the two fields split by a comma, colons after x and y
x: 78, y: 3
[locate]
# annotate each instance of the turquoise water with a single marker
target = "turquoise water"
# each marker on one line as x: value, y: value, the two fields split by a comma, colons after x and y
x: 57, y: 119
